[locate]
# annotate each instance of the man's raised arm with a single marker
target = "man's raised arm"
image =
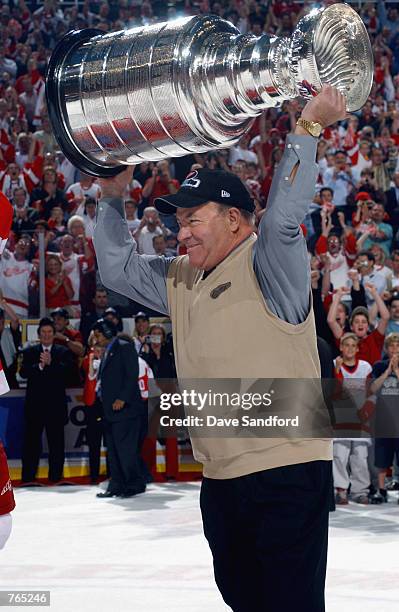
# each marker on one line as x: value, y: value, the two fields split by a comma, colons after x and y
x: 280, y: 255
x: 139, y: 277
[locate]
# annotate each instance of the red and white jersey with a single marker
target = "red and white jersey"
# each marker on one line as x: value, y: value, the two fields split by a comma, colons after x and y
x: 15, y: 277
x: 77, y: 191
x: 73, y: 266
x: 7, y: 502
x: 145, y: 373
x: 28, y: 179
x: 355, y: 380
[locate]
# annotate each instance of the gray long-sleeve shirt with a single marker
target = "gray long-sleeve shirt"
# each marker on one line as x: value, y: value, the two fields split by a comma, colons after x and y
x: 280, y: 256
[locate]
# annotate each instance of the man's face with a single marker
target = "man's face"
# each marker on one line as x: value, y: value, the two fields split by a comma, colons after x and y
x: 46, y: 335
x: 360, y: 326
x: 142, y: 326
x: 100, y: 338
x: 159, y: 245
x: 19, y: 198
x: 60, y: 323
x: 349, y: 348
x: 206, y: 234
x: 378, y: 253
x: 394, y: 310
x: 395, y: 264
x: 364, y: 264
x: 13, y: 171
x: 333, y: 244
x: 377, y: 213
x: 101, y: 300
x: 340, y: 161
x: 22, y: 247
x: 326, y: 195
x: 364, y: 149
x: 67, y: 246
x: 376, y: 157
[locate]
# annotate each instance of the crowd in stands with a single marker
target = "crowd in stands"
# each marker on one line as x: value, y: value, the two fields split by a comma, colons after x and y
x: 352, y: 228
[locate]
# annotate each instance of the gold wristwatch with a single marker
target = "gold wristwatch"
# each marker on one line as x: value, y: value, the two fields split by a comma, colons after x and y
x: 314, y: 128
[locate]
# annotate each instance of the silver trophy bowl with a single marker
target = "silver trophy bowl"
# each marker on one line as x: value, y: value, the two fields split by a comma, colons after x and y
x: 192, y: 84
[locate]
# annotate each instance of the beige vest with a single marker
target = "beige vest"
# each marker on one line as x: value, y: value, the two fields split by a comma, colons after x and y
x: 235, y: 335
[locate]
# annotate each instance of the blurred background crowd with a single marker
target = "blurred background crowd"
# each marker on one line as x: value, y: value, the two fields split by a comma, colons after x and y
x: 352, y: 228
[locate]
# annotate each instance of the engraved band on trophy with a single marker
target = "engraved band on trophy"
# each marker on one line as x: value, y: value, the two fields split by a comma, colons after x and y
x: 192, y: 84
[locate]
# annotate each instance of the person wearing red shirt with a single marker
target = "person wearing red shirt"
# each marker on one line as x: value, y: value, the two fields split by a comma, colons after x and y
x: 160, y: 183
x: 370, y: 344
x: 59, y: 290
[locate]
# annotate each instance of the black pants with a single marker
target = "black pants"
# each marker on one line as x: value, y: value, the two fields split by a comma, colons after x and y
x: 122, y: 439
x: 268, y: 535
x: 32, y: 446
x: 94, y: 434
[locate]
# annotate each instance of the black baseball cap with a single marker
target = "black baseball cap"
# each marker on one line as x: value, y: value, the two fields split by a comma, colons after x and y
x: 60, y: 312
x: 141, y: 315
x: 204, y: 185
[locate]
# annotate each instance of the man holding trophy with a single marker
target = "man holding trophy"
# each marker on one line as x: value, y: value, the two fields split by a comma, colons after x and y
x: 265, y: 503
x: 188, y: 86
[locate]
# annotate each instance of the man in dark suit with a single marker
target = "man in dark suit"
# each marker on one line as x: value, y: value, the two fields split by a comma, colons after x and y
x: 45, y: 366
x: 122, y: 405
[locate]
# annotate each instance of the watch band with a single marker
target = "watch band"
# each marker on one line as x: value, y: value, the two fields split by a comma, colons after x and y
x: 312, y: 127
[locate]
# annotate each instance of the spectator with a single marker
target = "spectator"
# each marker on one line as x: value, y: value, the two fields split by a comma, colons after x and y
x: 380, y: 170
x: 77, y: 193
x: 159, y: 244
x: 385, y: 386
x: 141, y: 330
x: 11, y: 176
x: 370, y: 343
x: 93, y: 409
x: 44, y: 365
x: 393, y: 282
x: 99, y: 305
x: 161, y: 183
x: 10, y: 340
x: 339, y: 179
x: 72, y: 340
x: 59, y: 291
x: 157, y: 354
x: 377, y: 232
x: 89, y: 216
x: 365, y: 265
x: 150, y: 226
x: 352, y: 372
x: 76, y: 267
x: 110, y: 314
x: 56, y: 221
x: 393, y: 323
x: 24, y: 216
x: 131, y: 215
x: 46, y: 197
x: 340, y: 253
x: 18, y: 276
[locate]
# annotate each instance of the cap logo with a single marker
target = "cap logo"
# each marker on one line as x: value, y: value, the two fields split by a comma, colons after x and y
x: 191, y: 180
x: 225, y: 194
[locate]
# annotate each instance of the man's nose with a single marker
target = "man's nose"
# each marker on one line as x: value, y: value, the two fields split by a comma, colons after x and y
x: 184, y: 233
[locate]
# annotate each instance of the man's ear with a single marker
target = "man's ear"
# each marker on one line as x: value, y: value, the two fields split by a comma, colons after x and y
x: 234, y: 217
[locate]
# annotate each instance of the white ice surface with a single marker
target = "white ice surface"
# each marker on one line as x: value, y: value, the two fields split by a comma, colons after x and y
x: 148, y: 553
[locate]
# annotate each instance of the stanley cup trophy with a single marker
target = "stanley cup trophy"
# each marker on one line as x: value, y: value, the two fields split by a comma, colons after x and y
x: 192, y: 84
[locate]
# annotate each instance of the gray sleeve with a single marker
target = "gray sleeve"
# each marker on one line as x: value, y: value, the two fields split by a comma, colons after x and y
x: 141, y: 278
x: 280, y: 260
